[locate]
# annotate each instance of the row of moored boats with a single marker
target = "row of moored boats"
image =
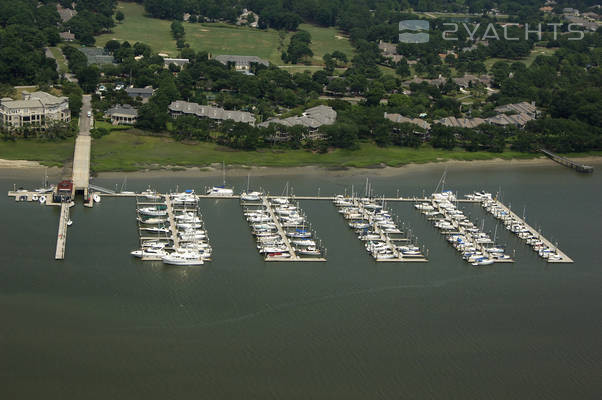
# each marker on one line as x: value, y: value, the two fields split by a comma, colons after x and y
x: 280, y: 228
x: 523, y: 231
x: 171, y: 229
x: 375, y: 226
x: 476, y: 246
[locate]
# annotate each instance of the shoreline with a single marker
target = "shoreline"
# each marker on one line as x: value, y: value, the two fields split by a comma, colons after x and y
x: 24, y: 167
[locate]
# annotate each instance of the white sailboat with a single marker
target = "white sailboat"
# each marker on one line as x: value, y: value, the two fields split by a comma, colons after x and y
x: 221, y: 190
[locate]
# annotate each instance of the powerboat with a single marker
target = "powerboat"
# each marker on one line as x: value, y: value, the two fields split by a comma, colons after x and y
x: 184, y: 257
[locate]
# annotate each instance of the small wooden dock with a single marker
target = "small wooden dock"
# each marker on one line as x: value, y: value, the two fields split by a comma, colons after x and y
x: 568, y: 163
x: 61, y: 239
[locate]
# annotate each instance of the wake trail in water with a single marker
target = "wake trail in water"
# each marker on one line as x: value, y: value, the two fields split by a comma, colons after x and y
x: 316, y: 300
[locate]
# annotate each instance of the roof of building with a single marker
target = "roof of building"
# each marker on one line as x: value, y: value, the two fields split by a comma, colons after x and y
x: 312, y: 118
x: 461, y: 122
x: 123, y: 109
x: 211, y: 112
x: 65, y: 13
x: 67, y: 36
x: 176, y: 61
x: 33, y: 100
x: 148, y: 90
x: 398, y: 118
x: 523, y: 107
x: 241, y: 60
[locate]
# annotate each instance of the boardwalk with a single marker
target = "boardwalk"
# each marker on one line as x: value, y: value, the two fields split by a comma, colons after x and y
x: 568, y: 163
x: 61, y: 238
x: 281, y: 232
x: 81, y: 155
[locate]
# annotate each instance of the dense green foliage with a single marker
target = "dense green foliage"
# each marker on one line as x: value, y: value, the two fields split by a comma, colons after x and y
x: 24, y: 31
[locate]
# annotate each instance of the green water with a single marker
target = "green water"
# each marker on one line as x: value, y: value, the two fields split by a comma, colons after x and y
x: 102, y: 325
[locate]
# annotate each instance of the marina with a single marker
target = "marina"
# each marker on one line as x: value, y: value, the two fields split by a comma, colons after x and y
x: 476, y: 247
x: 170, y: 223
x: 375, y: 226
x: 171, y: 229
x: 281, y: 229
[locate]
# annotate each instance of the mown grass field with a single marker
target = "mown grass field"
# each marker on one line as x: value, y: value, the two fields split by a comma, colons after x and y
x: 138, y: 28
x: 219, y: 38
x: 127, y: 151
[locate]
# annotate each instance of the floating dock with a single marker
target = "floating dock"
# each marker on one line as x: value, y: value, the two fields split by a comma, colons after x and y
x: 508, y: 215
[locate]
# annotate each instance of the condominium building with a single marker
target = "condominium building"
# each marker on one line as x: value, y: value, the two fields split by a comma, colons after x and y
x: 37, y: 108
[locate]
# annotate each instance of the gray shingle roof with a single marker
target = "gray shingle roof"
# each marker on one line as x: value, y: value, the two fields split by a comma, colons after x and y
x: 123, y: 109
x: 243, y: 61
x: 199, y: 110
x: 398, y: 118
x: 312, y: 118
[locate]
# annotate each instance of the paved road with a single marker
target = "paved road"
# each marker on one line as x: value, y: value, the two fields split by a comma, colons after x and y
x: 83, y: 144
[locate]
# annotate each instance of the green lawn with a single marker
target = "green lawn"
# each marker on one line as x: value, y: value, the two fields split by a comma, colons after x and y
x: 219, y: 38
x: 138, y: 28
x: 48, y: 153
x: 537, y: 51
x: 327, y: 40
x: 127, y: 151
x: 60, y: 59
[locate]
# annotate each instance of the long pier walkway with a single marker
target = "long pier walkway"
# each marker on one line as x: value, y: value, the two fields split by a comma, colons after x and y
x: 276, y: 221
x: 172, y: 223
x: 61, y: 239
x: 567, y: 163
x: 83, y: 145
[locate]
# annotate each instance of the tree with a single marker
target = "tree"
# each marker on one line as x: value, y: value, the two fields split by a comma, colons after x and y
x: 112, y: 46
x: 119, y: 16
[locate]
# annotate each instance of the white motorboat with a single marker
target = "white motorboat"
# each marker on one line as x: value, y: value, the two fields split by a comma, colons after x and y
x: 305, y: 242
x: 153, y: 212
x: 152, y: 221
x: 308, y: 251
x: 184, y: 257
x: 96, y: 197
x: 69, y: 223
x: 42, y: 199
x: 149, y: 252
x: 156, y: 230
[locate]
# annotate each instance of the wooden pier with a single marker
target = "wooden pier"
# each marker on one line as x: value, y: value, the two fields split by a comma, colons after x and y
x: 564, y: 259
x: 61, y: 239
x: 172, y: 223
x: 568, y: 163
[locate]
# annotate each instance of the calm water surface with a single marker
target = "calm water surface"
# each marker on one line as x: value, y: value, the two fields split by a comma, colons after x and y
x: 102, y: 325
